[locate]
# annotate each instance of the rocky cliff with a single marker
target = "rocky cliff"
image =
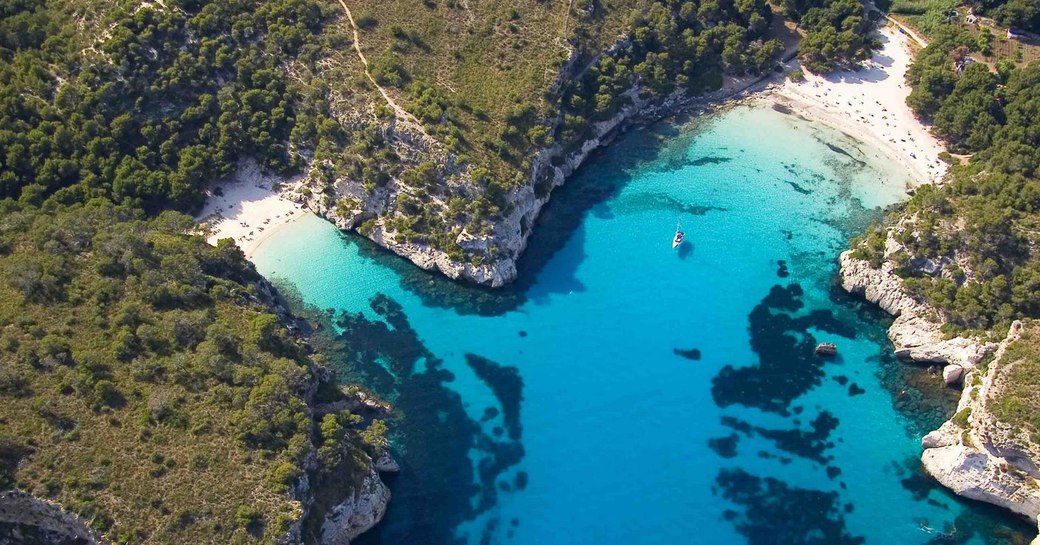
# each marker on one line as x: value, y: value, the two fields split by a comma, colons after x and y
x: 358, y: 513
x: 47, y: 520
x: 362, y: 504
x: 978, y: 456
x: 482, y: 252
x: 916, y: 333
x: 973, y: 453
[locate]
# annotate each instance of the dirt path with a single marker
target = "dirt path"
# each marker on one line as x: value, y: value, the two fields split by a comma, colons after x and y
x: 909, y: 32
x: 399, y: 112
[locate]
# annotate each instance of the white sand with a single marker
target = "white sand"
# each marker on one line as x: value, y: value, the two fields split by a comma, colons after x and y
x: 870, y: 105
x: 251, y: 208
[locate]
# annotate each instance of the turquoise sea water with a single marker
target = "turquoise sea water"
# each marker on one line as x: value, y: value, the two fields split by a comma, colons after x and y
x: 624, y: 392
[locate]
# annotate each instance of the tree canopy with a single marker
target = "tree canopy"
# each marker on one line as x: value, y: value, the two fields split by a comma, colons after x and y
x: 836, y: 33
x: 982, y: 221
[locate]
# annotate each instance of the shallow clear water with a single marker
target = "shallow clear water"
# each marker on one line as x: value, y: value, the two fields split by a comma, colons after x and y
x: 625, y: 392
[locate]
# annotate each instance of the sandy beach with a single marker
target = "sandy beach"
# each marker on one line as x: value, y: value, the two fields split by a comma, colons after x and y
x: 867, y: 104
x: 248, y: 207
x: 870, y: 105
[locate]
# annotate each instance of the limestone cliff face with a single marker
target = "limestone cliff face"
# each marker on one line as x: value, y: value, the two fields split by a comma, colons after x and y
x: 491, y: 250
x: 365, y: 503
x: 361, y: 509
x: 979, y: 457
x: 49, y: 518
x: 973, y: 453
x: 358, y: 513
x: 916, y: 332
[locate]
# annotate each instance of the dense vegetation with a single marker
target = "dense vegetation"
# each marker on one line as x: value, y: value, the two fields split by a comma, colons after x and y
x: 983, y: 222
x: 146, y: 104
x: 1020, y: 14
x: 836, y: 33
x: 485, y: 80
x: 674, y: 46
x: 144, y: 383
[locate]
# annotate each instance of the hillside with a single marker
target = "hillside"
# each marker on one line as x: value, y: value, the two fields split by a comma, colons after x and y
x: 148, y: 387
x: 502, y: 101
x: 437, y: 130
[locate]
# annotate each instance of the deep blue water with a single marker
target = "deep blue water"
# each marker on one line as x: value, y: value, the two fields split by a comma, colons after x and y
x: 625, y: 392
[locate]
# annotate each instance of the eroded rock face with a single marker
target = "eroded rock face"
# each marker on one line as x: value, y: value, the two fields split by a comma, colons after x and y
x: 916, y: 333
x: 367, y: 503
x: 979, y: 457
x: 18, y: 507
x: 358, y: 513
x: 386, y: 464
x: 973, y: 453
x: 974, y: 473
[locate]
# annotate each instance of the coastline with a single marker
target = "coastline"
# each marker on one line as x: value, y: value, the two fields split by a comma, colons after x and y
x: 248, y: 207
x: 253, y: 207
x: 849, y: 101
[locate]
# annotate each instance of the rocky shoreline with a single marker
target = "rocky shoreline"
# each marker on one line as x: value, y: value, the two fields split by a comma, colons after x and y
x: 508, y: 238
x: 967, y: 460
x: 366, y: 503
x: 972, y: 454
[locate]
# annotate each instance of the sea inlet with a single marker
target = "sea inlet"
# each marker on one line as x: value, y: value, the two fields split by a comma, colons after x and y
x: 624, y: 392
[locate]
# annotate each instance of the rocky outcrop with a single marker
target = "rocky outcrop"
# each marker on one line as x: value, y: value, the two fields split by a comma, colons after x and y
x: 972, y: 454
x: 952, y: 374
x: 365, y: 502
x: 355, y: 400
x: 916, y: 333
x: 979, y: 457
x: 364, y: 497
x: 361, y: 510
x: 48, y: 518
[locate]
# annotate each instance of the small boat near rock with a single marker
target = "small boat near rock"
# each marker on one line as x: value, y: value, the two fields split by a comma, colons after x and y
x: 679, y: 235
x: 826, y: 349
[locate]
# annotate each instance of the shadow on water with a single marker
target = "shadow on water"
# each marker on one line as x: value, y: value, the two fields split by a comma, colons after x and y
x: 662, y: 146
x: 780, y: 330
x: 452, y: 470
x: 685, y: 249
x: 919, y: 395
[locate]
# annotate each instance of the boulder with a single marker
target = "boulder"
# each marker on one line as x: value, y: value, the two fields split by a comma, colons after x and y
x: 924, y: 265
x: 937, y: 438
x: 386, y: 463
x: 952, y: 374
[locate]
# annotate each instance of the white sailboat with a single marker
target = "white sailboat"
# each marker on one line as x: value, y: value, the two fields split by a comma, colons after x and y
x: 679, y: 234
